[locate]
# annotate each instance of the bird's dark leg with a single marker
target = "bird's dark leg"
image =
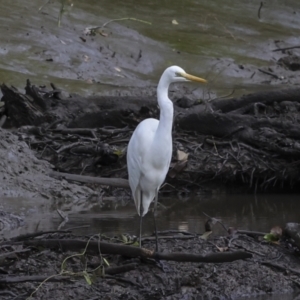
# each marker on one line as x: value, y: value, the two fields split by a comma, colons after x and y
x: 141, y: 217
x: 154, y: 219
x: 159, y: 262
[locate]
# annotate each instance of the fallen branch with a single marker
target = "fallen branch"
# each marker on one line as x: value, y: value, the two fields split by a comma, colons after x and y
x: 12, y: 254
x: 68, y: 147
x: 118, y: 182
x: 266, y: 97
x: 251, y: 233
x: 125, y: 280
x: 130, y: 251
x: 260, y: 7
x: 79, y: 131
x: 169, y: 237
x: 269, y: 73
x: 175, y: 231
x: 36, y: 234
x: 280, y: 267
x: 286, y: 48
x: 18, y: 279
x: 120, y: 269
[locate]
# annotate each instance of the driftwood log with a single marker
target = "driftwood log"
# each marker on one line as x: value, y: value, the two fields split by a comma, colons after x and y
x: 130, y: 251
x: 254, y: 139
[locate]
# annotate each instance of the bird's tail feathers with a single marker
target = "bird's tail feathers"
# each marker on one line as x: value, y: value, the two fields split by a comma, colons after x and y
x: 147, y: 199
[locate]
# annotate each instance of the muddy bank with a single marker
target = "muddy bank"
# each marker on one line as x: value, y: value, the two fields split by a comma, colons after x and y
x: 250, y: 142
x: 21, y: 171
x: 52, y: 126
x: 228, y: 47
x: 269, y: 268
x: 24, y: 176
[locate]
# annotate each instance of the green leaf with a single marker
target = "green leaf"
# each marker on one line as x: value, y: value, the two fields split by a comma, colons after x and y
x: 106, y: 261
x: 87, y: 278
x: 270, y: 237
x: 205, y: 235
x: 136, y: 244
x: 118, y: 152
x: 124, y: 238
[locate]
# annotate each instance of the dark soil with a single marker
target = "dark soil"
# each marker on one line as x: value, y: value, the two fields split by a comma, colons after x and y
x: 252, y: 141
x: 273, y: 269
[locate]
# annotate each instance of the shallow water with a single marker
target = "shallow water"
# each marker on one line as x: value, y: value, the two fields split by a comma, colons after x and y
x: 249, y: 212
x: 242, y: 211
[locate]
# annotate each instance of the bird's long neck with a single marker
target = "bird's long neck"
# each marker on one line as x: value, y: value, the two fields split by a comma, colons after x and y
x: 164, y: 129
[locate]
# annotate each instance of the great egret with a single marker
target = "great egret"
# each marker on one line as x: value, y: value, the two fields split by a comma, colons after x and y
x: 149, y: 150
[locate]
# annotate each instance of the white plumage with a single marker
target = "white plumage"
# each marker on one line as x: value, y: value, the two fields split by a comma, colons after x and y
x: 149, y: 150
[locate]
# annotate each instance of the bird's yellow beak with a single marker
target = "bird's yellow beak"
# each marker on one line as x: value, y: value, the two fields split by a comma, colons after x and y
x: 193, y: 78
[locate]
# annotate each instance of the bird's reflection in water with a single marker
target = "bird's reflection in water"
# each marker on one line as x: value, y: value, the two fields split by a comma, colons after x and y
x: 183, y: 226
x: 247, y: 212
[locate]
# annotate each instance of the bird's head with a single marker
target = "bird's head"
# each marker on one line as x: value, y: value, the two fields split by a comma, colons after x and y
x: 177, y: 74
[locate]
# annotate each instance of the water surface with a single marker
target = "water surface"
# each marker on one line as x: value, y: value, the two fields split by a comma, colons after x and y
x: 249, y: 212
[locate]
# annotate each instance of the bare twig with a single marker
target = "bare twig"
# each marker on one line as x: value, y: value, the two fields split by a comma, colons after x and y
x: 9, y: 279
x: 260, y: 7
x: 274, y: 265
x: 287, y: 48
x: 224, y: 227
x: 168, y: 237
x: 125, y: 19
x: 80, y: 131
x: 269, y: 73
x: 119, y: 182
x: 69, y: 146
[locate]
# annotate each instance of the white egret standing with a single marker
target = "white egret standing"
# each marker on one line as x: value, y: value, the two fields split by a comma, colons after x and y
x: 149, y: 150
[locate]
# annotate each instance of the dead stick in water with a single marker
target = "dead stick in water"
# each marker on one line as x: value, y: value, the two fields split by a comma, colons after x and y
x: 110, y: 248
x: 260, y: 7
x: 118, y: 182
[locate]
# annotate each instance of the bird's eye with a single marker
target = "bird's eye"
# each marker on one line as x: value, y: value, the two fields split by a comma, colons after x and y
x: 177, y: 74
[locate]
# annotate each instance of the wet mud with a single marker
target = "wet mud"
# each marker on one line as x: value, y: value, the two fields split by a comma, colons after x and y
x: 34, y: 144
x: 272, y: 268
